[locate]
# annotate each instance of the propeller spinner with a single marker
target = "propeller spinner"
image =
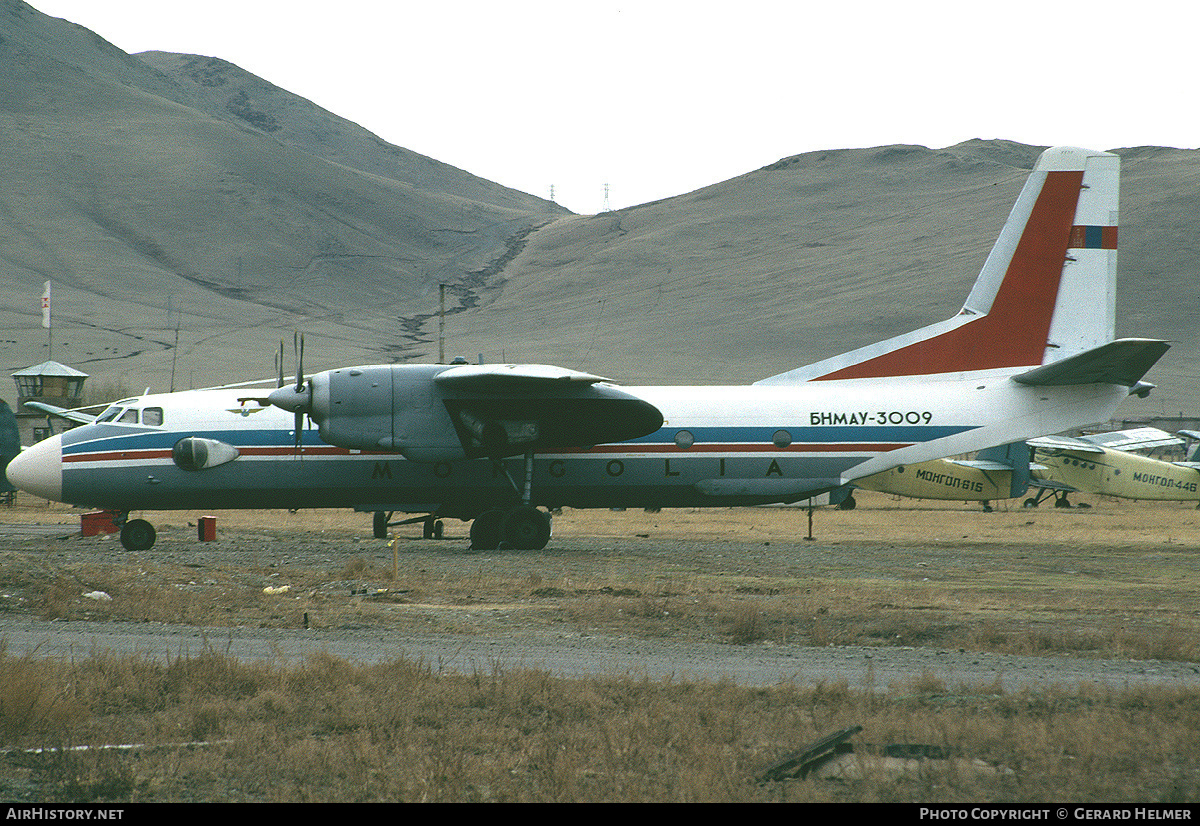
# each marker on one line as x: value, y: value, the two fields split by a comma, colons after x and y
x: 296, y: 398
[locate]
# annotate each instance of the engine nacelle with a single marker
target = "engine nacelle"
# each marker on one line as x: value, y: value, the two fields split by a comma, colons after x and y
x: 404, y: 408
x: 384, y: 407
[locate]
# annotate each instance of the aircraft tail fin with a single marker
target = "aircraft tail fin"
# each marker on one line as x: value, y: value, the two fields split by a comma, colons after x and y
x: 1016, y: 456
x: 1190, y: 435
x: 1045, y: 293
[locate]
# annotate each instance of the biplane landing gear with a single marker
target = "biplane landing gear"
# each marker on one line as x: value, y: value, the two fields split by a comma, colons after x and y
x: 432, y: 528
x: 1060, y: 499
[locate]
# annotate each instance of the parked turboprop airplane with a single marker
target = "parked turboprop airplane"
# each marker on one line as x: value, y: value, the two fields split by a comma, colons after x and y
x: 1031, y: 352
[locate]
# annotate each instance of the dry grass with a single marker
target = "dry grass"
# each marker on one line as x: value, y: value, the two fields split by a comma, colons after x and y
x: 1116, y: 580
x: 324, y: 729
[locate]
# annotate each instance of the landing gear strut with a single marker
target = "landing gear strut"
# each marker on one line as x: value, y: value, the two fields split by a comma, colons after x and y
x: 432, y: 527
x: 522, y: 527
x: 1060, y: 499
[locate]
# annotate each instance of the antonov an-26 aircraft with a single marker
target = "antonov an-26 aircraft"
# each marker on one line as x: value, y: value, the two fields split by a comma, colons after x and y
x: 1030, y: 353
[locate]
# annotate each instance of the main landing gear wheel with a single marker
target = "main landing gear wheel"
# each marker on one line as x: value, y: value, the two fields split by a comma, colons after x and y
x: 138, y: 535
x: 485, y: 531
x: 379, y: 524
x: 523, y: 528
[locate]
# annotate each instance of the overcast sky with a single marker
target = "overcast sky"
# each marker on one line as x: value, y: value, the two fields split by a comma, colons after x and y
x: 656, y: 99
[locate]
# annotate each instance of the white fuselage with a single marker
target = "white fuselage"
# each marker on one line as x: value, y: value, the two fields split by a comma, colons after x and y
x: 718, y: 445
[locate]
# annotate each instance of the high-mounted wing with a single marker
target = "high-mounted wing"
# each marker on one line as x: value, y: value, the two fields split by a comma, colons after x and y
x: 502, y: 376
x: 437, y: 413
x: 1138, y: 438
x: 77, y: 416
x: 505, y: 409
x: 1064, y: 443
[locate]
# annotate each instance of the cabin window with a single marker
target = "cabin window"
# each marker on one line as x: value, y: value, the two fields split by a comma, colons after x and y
x: 152, y: 416
x: 684, y: 439
x: 781, y: 438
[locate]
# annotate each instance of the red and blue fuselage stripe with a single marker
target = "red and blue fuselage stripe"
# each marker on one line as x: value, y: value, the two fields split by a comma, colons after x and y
x: 152, y: 444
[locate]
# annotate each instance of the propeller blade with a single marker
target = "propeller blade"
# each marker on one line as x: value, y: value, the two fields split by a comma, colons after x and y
x: 279, y: 364
x: 298, y: 346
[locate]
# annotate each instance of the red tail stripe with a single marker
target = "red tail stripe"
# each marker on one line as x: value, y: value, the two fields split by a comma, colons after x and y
x: 1013, y: 333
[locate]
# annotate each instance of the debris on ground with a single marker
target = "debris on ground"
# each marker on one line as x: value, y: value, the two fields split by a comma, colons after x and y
x: 834, y: 757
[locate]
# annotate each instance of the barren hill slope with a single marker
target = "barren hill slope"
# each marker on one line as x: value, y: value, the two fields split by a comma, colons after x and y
x: 166, y: 191
x: 819, y: 253
x: 149, y: 208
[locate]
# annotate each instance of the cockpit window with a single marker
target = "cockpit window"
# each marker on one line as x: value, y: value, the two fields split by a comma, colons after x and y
x: 152, y: 416
x: 114, y: 410
x: 130, y: 416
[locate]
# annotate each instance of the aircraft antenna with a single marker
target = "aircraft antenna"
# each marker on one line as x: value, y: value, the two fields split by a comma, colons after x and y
x: 46, y: 322
x: 441, y: 324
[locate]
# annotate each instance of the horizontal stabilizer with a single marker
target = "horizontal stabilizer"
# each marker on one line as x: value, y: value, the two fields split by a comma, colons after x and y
x: 1122, y: 362
x: 1049, y: 484
x: 499, y: 376
x: 979, y: 464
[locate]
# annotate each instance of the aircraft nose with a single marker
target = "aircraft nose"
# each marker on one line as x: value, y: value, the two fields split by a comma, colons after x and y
x: 38, y: 469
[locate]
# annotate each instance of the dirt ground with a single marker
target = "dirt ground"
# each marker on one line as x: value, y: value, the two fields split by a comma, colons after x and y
x: 891, y: 590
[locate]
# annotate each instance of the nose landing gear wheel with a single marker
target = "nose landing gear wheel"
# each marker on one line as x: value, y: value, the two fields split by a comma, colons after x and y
x: 138, y: 535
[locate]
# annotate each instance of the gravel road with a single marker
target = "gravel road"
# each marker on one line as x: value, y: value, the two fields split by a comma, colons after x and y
x: 573, y: 655
x: 501, y: 636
